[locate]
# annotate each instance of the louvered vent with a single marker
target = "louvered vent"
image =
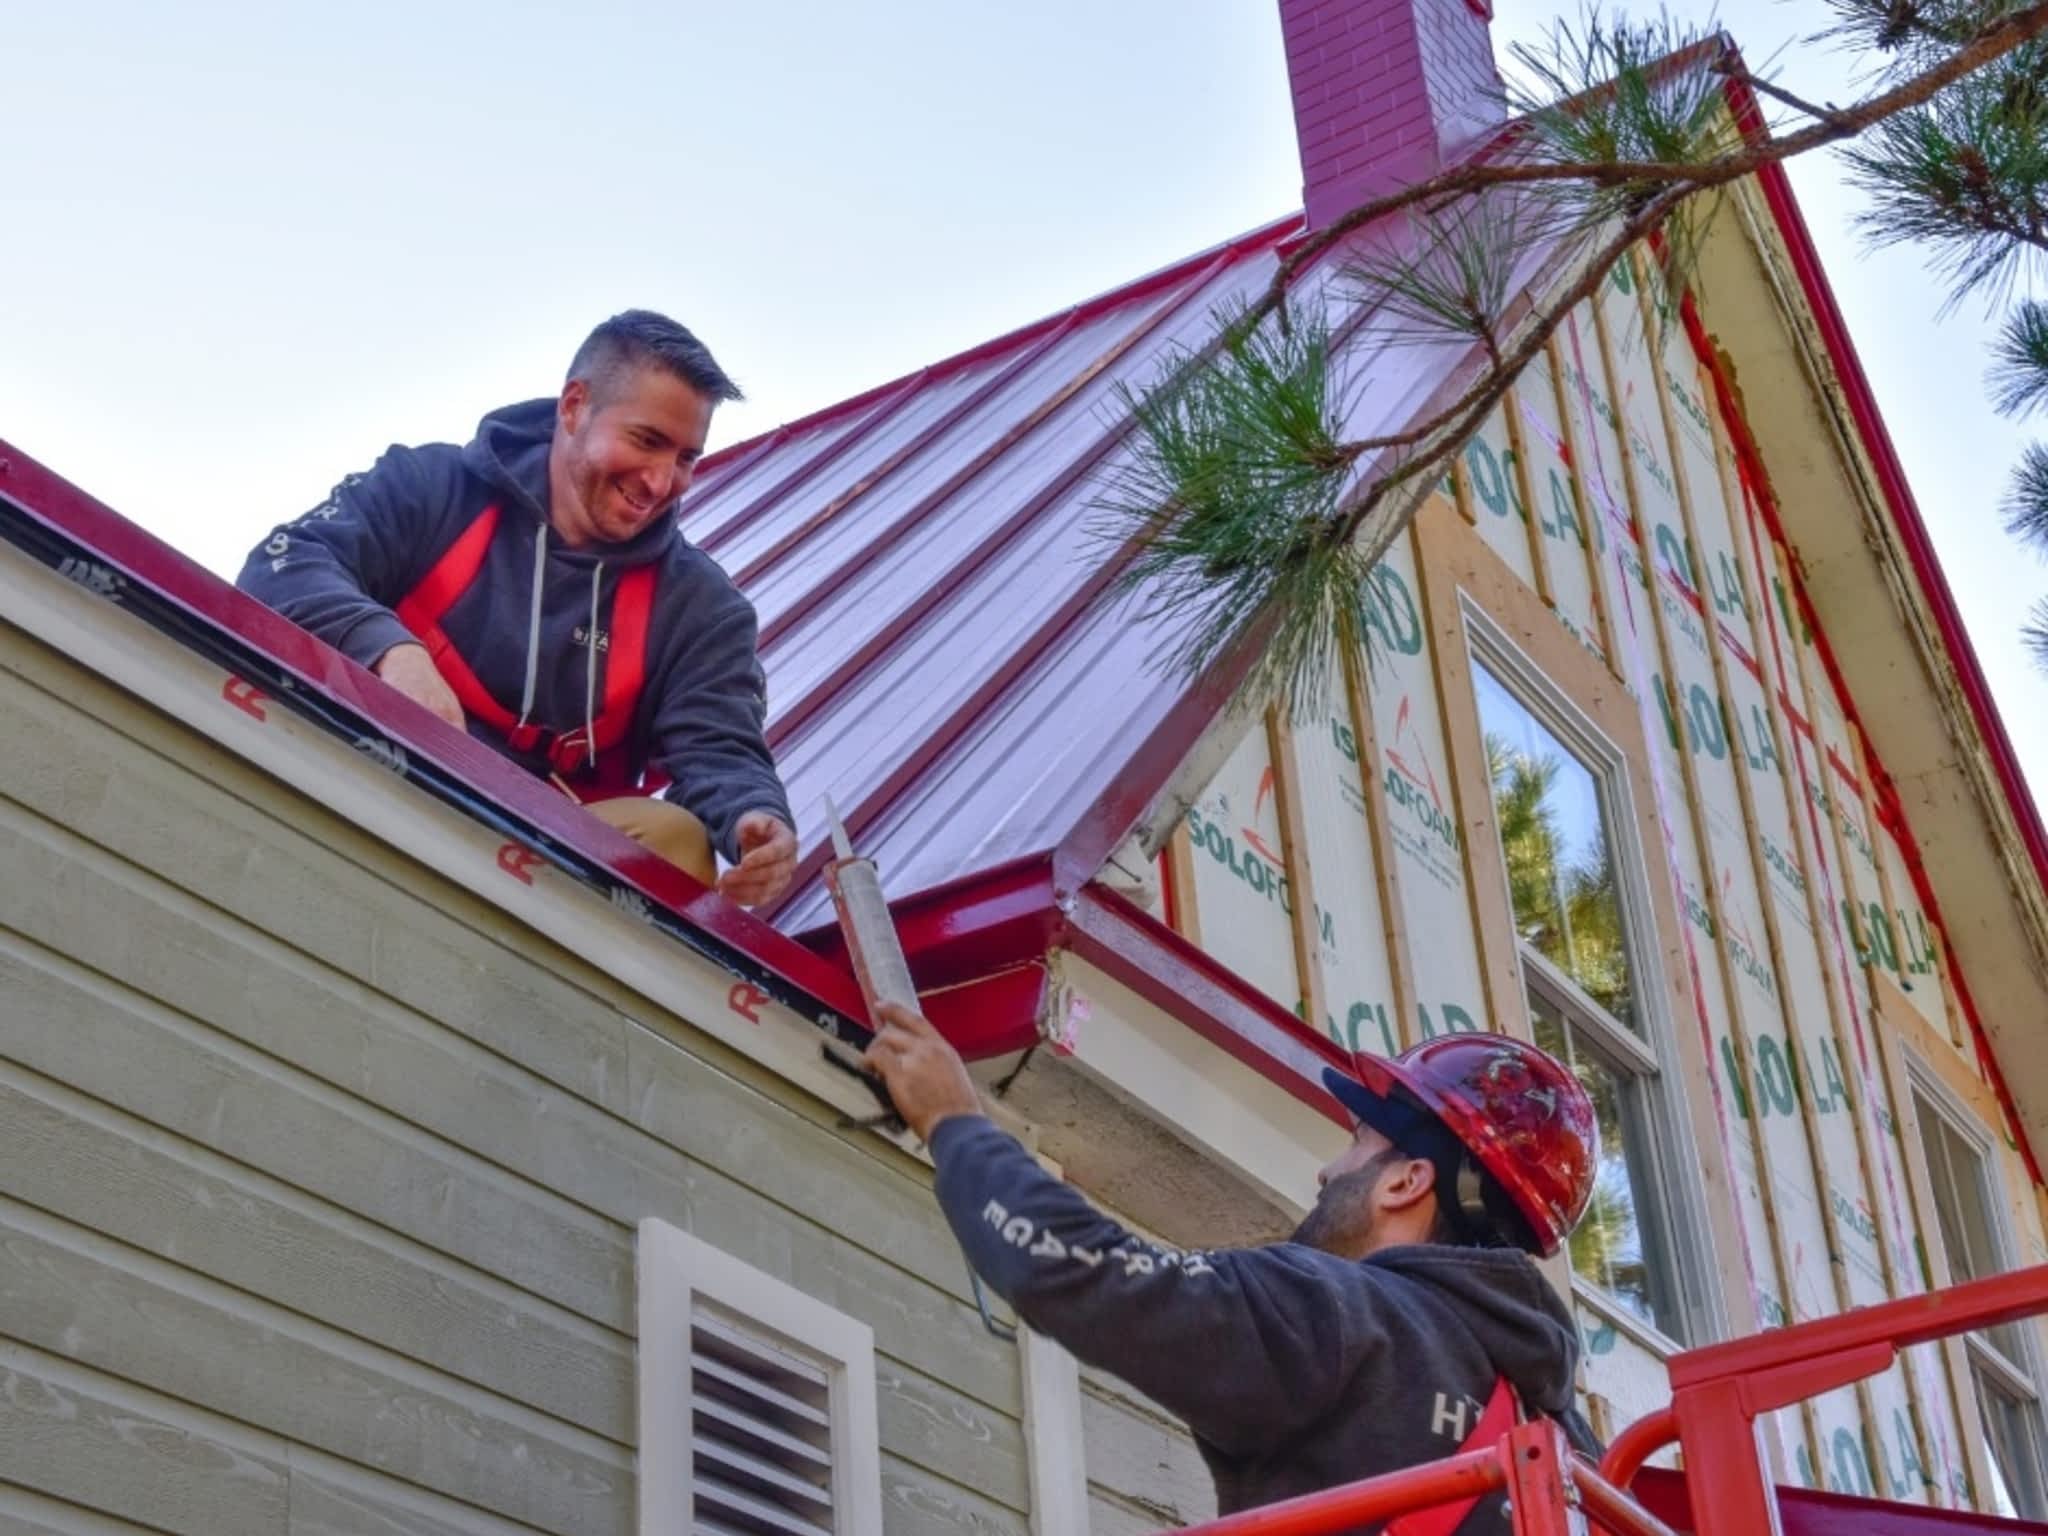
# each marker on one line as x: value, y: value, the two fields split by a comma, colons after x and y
x: 761, y: 1434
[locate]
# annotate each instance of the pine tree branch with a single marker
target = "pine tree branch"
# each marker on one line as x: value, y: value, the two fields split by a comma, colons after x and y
x: 1450, y: 427
x: 1745, y: 76
x: 1989, y: 44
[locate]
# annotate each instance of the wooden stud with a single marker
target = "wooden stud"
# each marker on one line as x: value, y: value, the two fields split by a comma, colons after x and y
x: 1461, y: 490
x: 1308, y: 949
x: 1592, y: 527
x: 1385, y: 863
x: 1525, y: 493
x: 1180, y: 884
x: 1812, y: 866
x: 1738, y: 1034
x: 1486, y: 883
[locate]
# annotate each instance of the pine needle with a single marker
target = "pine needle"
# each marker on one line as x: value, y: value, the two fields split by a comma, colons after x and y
x: 1232, y: 502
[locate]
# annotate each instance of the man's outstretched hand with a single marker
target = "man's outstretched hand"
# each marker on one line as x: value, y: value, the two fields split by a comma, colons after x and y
x: 767, y: 860
x: 410, y: 670
x: 926, y: 1077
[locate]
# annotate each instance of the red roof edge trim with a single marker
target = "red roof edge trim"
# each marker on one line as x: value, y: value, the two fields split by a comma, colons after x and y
x: 1159, y: 965
x: 1812, y: 1512
x: 968, y: 944
x: 502, y: 794
x: 1870, y: 427
x: 985, y: 922
x: 1086, y: 309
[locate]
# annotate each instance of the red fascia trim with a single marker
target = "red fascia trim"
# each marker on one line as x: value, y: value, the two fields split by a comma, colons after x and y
x: 968, y: 928
x: 1242, y: 245
x: 1855, y: 384
x: 149, y: 562
x: 993, y: 1015
x: 1000, y: 928
x: 1158, y: 964
x: 976, y: 949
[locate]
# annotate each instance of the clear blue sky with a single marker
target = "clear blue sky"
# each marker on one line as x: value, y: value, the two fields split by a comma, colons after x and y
x: 247, y: 245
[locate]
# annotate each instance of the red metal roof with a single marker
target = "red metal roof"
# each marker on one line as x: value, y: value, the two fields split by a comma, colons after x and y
x: 947, y: 656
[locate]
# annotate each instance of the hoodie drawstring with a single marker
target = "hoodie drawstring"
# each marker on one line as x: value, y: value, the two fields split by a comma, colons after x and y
x: 590, y: 666
x: 540, y: 571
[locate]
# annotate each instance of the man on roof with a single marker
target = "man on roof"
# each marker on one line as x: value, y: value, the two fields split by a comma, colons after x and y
x: 533, y: 588
x: 1405, y: 1319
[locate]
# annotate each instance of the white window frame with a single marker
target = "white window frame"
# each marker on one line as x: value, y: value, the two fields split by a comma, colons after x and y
x: 674, y: 1268
x: 2025, y: 1378
x: 1683, y: 1232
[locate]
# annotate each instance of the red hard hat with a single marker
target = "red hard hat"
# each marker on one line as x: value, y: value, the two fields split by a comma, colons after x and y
x: 1518, y: 1110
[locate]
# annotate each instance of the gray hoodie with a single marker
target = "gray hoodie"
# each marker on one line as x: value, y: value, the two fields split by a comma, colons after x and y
x: 1296, y: 1370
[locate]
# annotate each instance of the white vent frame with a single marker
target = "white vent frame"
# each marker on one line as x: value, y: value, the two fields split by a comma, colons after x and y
x: 674, y: 1269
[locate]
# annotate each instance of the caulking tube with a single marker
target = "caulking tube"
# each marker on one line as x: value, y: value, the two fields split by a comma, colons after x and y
x: 856, y: 887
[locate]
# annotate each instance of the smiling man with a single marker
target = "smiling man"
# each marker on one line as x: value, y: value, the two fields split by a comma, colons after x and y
x: 533, y: 588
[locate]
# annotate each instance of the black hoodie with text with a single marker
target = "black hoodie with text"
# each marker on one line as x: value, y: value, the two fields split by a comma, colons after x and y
x: 1296, y: 1370
x: 526, y: 625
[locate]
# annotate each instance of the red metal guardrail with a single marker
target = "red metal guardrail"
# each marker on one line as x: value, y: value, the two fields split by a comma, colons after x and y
x: 1717, y: 1394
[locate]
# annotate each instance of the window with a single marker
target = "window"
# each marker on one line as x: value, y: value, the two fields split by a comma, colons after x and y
x: 757, y: 1402
x: 2002, y: 1364
x: 1556, y: 829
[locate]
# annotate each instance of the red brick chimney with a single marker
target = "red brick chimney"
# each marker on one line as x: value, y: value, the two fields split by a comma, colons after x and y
x: 1386, y: 92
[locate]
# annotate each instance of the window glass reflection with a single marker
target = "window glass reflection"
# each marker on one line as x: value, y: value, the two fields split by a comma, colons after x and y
x: 1553, y: 835
x: 1607, y: 1247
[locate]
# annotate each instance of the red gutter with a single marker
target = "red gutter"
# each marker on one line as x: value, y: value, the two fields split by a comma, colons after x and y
x: 147, y: 561
x: 984, y: 929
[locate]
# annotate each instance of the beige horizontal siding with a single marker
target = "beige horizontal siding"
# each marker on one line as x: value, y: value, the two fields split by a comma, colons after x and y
x: 318, y: 1178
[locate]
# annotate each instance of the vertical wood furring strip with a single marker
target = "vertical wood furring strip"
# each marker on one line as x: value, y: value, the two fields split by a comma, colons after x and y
x: 1308, y: 948
x: 1461, y: 489
x: 1180, y: 884
x: 1588, y: 545
x: 1812, y: 866
x: 1681, y: 724
x: 1486, y: 886
x: 1386, y: 868
x: 1522, y: 491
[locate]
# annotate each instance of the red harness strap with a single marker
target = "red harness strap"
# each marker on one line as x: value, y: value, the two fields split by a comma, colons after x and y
x: 569, y: 753
x: 1494, y: 1422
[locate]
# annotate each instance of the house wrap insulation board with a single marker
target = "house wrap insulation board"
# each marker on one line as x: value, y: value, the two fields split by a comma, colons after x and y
x: 1614, y: 495
x: 1239, y: 864
x: 1797, y: 1094
x: 1564, y: 527
x: 1240, y: 872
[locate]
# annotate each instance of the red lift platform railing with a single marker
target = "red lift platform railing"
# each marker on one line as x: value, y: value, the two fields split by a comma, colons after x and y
x: 1717, y: 1395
